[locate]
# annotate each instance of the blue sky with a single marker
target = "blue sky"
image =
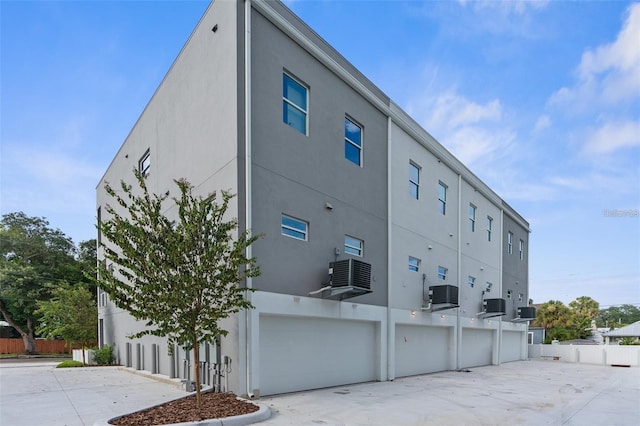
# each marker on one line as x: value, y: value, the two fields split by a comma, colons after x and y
x: 540, y: 99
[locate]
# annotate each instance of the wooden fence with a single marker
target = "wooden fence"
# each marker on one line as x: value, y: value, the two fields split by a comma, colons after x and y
x: 16, y: 346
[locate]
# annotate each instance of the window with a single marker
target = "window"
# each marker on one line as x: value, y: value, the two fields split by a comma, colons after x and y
x: 521, y: 250
x: 488, y: 286
x: 520, y: 297
x: 144, y: 164
x: 414, y: 180
x: 509, y: 294
x: 471, y: 281
x: 414, y: 264
x: 510, y: 242
x: 353, y: 246
x: 489, y: 227
x: 442, y: 198
x: 352, y: 142
x: 294, y: 228
x: 442, y: 273
x: 472, y: 217
x: 294, y: 104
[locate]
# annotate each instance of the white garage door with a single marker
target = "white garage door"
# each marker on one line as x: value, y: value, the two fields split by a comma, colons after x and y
x: 421, y: 349
x: 298, y: 353
x: 511, y: 346
x: 477, y: 347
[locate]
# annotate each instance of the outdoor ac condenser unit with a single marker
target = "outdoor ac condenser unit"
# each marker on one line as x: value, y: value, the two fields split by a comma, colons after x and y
x: 495, y: 306
x: 527, y: 313
x: 350, y: 273
x: 443, y: 294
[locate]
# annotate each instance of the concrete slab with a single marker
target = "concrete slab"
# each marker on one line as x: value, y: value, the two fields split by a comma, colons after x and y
x: 518, y: 393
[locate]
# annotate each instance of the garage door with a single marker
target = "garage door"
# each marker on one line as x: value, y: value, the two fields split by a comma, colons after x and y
x: 477, y: 347
x: 421, y: 349
x: 298, y: 353
x: 511, y: 346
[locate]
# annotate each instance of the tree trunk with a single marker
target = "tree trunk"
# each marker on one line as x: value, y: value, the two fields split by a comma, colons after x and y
x: 27, y: 337
x: 196, y: 372
x: 29, y: 344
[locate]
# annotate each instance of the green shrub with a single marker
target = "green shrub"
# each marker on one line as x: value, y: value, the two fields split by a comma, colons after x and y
x: 69, y: 364
x: 104, y: 355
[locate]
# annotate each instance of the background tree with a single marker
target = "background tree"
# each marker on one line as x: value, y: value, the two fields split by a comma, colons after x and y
x: 180, y: 277
x: 32, y: 256
x: 583, y: 311
x: 617, y: 316
x: 71, y: 314
x: 552, y: 314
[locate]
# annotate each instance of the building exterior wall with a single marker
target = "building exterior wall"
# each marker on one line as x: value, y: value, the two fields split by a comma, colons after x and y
x: 515, y: 270
x: 189, y: 128
x: 217, y: 120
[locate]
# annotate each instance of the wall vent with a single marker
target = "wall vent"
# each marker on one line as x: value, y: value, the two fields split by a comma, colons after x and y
x: 350, y: 273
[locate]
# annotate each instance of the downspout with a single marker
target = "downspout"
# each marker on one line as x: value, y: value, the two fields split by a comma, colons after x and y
x: 458, y: 323
x: 247, y: 177
x: 390, y: 343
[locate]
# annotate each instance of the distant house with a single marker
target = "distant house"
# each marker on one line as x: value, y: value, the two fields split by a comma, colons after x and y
x: 536, y: 335
x: 631, y: 330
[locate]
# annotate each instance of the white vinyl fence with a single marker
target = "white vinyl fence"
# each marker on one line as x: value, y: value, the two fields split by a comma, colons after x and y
x: 589, y: 354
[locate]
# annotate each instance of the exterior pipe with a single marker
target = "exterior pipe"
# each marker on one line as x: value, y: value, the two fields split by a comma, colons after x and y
x: 390, y: 331
x: 247, y: 176
x: 458, y: 323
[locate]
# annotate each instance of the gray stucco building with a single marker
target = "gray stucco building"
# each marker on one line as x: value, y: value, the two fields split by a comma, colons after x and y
x: 329, y: 169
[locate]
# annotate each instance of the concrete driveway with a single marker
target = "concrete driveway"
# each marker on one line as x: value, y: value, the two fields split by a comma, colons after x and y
x: 517, y: 393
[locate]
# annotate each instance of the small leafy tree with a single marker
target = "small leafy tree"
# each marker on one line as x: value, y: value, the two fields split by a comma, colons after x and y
x: 552, y: 314
x: 71, y: 314
x: 181, y: 277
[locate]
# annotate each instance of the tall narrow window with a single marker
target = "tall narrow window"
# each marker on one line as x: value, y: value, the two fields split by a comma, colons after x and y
x: 521, y: 250
x: 442, y: 198
x: 352, y: 141
x: 472, y: 217
x: 144, y: 164
x: 509, y: 294
x: 489, y: 227
x: 471, y: 281
x: 414, y: 264
x: 353, y: 246
x: 442, y: 273
x: 294, y: 228
x: 414, y: 180
x: 510, y: 243
x: 294, y: 104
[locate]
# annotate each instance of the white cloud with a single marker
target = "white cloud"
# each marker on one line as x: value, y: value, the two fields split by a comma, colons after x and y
x: 612, y: 136
x: 609, y: 73
x: 543, y: 122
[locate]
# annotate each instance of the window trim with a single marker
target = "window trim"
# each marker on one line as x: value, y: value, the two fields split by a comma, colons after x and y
x: 146, y: 157
x: 472, y: 217
x: 304, y: 110
x: 442, y: 202
x: 510, y: 242
x: 471, y: 281
x: 521, y: 249
x: 354, y: 250
x: 489, y: 227
x: 414, y: 166
x: 347, y: 140
x: 442, y: 273
x: 414, y: 266
x: 284, y: 227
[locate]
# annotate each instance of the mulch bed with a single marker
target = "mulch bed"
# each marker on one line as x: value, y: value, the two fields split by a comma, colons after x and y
x: 214, y: 406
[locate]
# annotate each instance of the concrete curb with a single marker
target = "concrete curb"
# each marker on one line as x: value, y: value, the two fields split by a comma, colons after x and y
x: 262, y: 414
